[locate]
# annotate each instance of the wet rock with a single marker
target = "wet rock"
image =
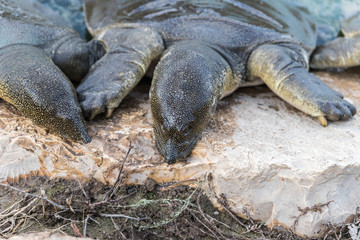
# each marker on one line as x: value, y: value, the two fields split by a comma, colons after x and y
x: 263, y: 158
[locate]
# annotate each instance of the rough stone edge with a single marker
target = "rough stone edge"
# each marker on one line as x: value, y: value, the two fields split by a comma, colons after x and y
x: 321, y: 207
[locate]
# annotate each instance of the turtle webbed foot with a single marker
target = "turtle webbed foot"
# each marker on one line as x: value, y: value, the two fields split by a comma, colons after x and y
x: 129, y: 54
x: 284, y: 70
x: 320, y: 100
x: 334, y: 110
x: 101, y: 90
x: 343, y: 51
x: 312, y: 96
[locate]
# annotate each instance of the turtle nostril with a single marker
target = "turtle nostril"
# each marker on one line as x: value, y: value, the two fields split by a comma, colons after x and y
x: 85, y: 137
x: 170, y: 159
x: 171, y: 153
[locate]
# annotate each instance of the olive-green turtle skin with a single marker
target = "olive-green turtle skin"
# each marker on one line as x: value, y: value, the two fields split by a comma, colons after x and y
x: 34, y: 53
x: 203, y: 50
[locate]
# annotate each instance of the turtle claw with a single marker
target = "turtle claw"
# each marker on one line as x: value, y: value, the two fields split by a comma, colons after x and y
x: 109, y: 112
x: 323, y: 121
x: 335, y: 111
x: 95, y: 105
x: 93, y: 115
x: 91, y: 104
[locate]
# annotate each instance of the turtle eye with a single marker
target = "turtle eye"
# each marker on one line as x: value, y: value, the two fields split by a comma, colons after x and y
x: 186, y: 130
x: 162, y: 128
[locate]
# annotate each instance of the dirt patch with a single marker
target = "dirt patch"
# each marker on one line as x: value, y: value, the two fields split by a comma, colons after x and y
x: 152, y: 211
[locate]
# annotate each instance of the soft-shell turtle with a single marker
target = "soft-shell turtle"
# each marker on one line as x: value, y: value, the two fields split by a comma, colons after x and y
x: 207, y: 49
x: 33, y: 51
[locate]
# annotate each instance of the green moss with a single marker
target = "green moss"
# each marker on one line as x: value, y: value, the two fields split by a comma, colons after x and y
x: 55, y: 189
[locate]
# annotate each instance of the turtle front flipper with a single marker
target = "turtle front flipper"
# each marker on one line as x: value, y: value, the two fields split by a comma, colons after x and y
x: 339, y: 53
x: 129, y: 54
x: 284, y: 70
x: 39, y: 90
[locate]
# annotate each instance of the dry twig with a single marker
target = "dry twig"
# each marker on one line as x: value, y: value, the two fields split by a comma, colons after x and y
x: 122, y: 216
x: 85, y: 224
x: 207, y: 220
x: 83, y: 191
x: 315, y: 208
x: 113, y: 189
x: 213, y: 234
x: 35, y: 196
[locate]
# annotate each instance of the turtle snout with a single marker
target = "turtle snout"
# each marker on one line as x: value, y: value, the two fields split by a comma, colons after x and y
x: 171, y: 152
x: 77, y: 130
x: 71, y: 124
x: 85, y: 138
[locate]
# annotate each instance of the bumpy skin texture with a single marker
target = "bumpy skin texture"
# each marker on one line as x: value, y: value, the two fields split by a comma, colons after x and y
x: 33, y: 51
x: 25, y: 84
x: 211, y: 48
x: 182, y: 109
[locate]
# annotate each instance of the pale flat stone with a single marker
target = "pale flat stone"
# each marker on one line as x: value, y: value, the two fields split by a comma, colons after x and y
x: 267, y: 159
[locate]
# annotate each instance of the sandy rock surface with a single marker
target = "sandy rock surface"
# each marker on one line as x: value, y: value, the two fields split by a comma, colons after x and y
x: 45, y: 236
x: 268, y: 160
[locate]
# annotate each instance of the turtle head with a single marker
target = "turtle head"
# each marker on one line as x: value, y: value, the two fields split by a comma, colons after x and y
x: 177, y: 127
x: 182, y: 100
x: 178, y: 121
x: 43, y: 93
